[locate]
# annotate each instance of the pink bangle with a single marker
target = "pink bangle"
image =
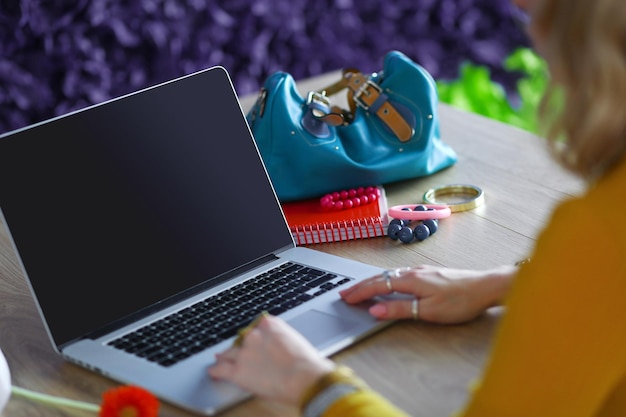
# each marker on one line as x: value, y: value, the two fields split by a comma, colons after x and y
x: 438, y: 212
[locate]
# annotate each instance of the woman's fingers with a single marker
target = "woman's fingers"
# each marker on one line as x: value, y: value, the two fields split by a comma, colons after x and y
x: 395, y: 309
x: 366, y: 289
x: 225, y: 365
x: 397, y: 280
x: 273, y: 361
x: 222, y: 369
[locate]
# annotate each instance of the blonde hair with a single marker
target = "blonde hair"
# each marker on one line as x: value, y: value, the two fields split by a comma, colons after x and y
x: 584, y: 42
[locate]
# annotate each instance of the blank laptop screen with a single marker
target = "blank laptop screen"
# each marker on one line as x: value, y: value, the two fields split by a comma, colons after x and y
x: 129, y: 202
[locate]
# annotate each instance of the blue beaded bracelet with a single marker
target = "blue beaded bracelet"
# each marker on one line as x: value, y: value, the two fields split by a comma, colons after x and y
x: 399, y: 229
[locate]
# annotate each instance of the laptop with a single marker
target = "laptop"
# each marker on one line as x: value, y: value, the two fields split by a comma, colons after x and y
x: 138, y: 220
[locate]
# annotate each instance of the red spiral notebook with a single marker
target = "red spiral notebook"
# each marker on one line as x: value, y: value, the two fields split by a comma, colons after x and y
x: 310, y: 224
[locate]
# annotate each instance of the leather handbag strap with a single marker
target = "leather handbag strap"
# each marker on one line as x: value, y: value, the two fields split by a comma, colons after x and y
x: 365, y: 93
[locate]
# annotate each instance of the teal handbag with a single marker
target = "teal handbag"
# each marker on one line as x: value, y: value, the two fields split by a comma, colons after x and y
x: 389, y: 132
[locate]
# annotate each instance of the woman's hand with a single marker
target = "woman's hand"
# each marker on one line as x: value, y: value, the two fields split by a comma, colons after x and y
x: 274, y: 361
x: 444, y: 295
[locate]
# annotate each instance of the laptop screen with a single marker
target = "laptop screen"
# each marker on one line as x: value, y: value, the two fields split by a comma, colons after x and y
x: 127, y: 203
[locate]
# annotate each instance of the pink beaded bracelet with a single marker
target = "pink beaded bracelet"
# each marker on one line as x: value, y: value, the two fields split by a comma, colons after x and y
x: 347, y: 199
x: 438, y: 211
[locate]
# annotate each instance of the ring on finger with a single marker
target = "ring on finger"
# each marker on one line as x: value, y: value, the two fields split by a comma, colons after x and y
x: 392, y: 273
x: 415, y: 309
x: 387, y: 276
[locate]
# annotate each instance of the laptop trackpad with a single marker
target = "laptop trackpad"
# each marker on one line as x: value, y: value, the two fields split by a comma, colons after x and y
x: 321, y: 328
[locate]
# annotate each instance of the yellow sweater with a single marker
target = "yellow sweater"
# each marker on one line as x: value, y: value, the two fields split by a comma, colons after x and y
x: 560, y: 350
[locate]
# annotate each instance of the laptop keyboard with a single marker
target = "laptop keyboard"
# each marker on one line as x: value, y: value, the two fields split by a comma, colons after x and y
x: 219, y: 317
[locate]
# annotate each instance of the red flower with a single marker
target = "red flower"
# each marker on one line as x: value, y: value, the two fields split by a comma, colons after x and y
x: 129, y: 401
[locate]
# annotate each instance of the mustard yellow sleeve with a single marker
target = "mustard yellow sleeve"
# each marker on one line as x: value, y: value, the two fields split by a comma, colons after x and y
x: 363, y: 403
x: 561, y: 346
x: 358, y: 401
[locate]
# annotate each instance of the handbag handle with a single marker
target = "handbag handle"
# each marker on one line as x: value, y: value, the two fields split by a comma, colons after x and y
x: 367, y: 94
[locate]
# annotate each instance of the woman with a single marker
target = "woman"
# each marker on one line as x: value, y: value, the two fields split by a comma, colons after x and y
x: 565, y: 308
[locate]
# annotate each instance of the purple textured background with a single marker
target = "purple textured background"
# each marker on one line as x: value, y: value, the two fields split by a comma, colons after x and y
x: 57, y: 56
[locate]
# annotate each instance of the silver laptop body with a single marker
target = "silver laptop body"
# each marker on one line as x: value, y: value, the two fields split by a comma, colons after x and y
x: 143, y: 206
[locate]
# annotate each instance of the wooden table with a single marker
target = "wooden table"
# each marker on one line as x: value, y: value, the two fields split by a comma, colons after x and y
x: 422, y: 368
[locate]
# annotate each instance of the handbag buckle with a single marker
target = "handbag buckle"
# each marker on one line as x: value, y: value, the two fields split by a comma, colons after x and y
x: 365, y: 89
x: 319, y: 98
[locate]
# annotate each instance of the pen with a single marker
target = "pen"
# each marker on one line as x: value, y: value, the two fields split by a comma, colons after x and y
x: 245, y: 330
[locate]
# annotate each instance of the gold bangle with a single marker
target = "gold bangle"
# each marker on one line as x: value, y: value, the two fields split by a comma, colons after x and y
x: 464, y: 197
